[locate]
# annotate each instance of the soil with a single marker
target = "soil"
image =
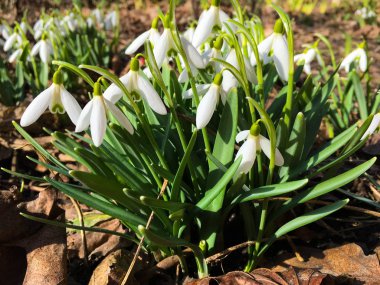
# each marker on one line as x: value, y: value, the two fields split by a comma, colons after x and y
x: 350, y: 239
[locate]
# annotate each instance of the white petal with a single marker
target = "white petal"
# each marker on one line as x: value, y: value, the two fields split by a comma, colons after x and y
x: 201, y: 90
x: 113, y: 93
x: 84, y: 118
x: 15, y: 55
x: 281, y: 57
x: 44, y: 52
x: 37, y: 107
x: 223, y: 17
x: 9, y: 42
x: 192, y: 54
x: 248, y: 153
x: 71, y: 105
x: 363, y: 60
x: 154, y: 36
x: 137, y: 43
x: 307, y: 68
x: 299, y: 57
x: 242, y: 136
x: 229, y: 79
x: 349, y: 59
x: 120, y: 117
x: 373, y: 126
x: 265, y: 146
x: 184, y: 76
x: 98, y: 120
x: 207, y: 107
x: 151, y: 96
x: 162, y: 47
x: 310, y: 55
x: 265, y: 46
x: 36, y: 48
x: 205, y: 25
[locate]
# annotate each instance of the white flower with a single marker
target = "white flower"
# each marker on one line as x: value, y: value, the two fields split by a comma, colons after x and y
x: 365, y: 13
x: 254, y: 143
x: 152, y: 35
x: 214, y: 16
x: 196, y: 61
x: 94, y: 114
x: 229, y: 79
x: 207, y: 105
x: 134, y: 82
x: 307, y: 57
x: 44, y: 48
x: 111, y: 20
x: 373, y: 126
x: 214, y: 52
x: 16, y: 54
x: 189, y: 33
x: 15, y: 37
x: 278, y: 45
x: 71, y: 22
x: 166, y: 44
x: 358, y: 55
x: 56, y: 98
x: 97, y: 15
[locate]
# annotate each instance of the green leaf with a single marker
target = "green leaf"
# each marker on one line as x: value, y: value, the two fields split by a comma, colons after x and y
x: 325, y: 187
x: 166, y: 205
x: 102, y: 206
x: 270, y: 191
x: 359, y: 93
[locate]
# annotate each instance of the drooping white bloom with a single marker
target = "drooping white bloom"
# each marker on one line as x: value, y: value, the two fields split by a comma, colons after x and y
x: 15, y: 55
x: 214, y: 16
x: 164, y: 45
x: 276, y: 44
x: 97, y: 15
x: 214, y: 52
x: 307, y: 57
x: 254, y: 143
x: 373, y: 126
x: 44, y: 48
x: 365, y: 13
x: 71, y: 22
x: 111, y: 20
x: 152, y: 35
x: 207, y: 105
x: 358, y: 55
x: 134, y: 82
x: 56, y: 98
x: 11, y: 40
x: 94, y: 114
x: 189, y: 33
x: 229, y: 79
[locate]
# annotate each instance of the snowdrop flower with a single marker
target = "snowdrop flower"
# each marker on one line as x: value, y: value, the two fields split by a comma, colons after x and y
x: 214, y: 52
x: 358, y: 55
x: 277, y: 44
x: 307, y: 57
x: 111, y: 20
x: 254, y: 143
x: 56, y: 98
x: 214, y: 16
x: 11, y: 40
x: 189, y: 33
x: 365, y: 13
x: 70, y: 21
x: 44, y: 48
x: 152, y: 34
x: 135, y: 83
x: 207, y: 106
x: 373, y: 126
x: 229, y: 79
x: 15, y: 55
x: 97, y: 15
x: 94, y: 114
x: 166, y: 45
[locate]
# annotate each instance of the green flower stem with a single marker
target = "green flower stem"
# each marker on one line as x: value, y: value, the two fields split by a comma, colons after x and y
x: 192, y: 83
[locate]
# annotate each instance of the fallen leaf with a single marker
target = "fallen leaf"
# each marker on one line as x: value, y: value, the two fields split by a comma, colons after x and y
x: 343, y: 261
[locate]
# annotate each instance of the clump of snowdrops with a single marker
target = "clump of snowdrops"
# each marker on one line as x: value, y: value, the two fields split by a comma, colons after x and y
x: 198, y: 135
x: 30, y: 49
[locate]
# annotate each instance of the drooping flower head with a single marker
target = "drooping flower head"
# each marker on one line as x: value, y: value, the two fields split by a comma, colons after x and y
x: 153, y: 35
x: 135, y: 82
x: 375, y: 123
x: 209, y: 102
x: 56, y: 98
x: 359, y: 55
x: 275, y: 47
x: 308, y: 56
x: 213, y: 17
x: 95, y: 113
x: 254, y: 144
x: 44, y: 48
